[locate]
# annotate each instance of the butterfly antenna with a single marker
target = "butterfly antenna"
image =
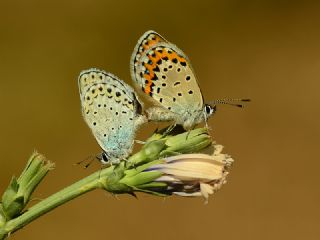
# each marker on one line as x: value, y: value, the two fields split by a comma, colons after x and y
x: 84, y: 160
x: 90, y: 159
x: 89, y: 163
x: 231, y: 101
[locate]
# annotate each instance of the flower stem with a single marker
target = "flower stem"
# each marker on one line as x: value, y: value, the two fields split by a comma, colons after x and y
x: 127, y: 177
x: 96, y: 180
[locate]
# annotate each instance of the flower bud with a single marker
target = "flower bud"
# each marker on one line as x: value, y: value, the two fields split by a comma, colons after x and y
x: 159, y: 145
x: 18, y: 193
x: 193, y: 174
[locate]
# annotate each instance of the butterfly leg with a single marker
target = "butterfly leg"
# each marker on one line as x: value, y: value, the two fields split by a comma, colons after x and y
x: 160, y: 114
x: 169, y: 129
x: 206, y: 123
x: 205, y: 117
x: 140, y: 142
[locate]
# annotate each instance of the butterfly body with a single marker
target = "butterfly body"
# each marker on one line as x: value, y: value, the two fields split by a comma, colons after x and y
x: 163, y: 72
x: 112, y: 111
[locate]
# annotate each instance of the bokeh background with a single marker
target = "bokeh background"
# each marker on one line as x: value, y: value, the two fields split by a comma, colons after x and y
x: 268, y: 51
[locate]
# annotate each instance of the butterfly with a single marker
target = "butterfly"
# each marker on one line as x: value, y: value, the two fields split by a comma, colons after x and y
x: 112, y: 111
x: 164, y: 73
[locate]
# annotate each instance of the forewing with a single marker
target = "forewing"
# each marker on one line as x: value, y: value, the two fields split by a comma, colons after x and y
x: 146, y: 41
x: 109, y: 107
x: 166, y: 75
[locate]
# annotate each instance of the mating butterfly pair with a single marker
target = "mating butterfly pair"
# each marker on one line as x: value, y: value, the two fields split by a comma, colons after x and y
x: 113, y: 111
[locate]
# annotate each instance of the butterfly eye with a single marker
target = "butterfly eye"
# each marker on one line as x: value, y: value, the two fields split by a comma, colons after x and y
x: 104, y: 158
x: 209, y: 109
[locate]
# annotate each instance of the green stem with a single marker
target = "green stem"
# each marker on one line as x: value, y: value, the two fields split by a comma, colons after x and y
x: 96, y: 180
x: 124, y: 178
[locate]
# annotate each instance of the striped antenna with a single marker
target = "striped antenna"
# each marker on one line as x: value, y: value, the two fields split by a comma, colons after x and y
x: 88, y: 159
x: 231, y: 101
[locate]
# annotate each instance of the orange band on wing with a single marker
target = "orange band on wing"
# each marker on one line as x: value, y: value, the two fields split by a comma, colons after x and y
x: 151, y: 42
x: 150, y: 67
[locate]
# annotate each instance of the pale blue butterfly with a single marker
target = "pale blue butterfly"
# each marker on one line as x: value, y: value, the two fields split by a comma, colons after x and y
x: 112, y: 111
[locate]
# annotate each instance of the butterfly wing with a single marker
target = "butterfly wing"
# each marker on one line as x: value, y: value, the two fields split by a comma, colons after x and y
x: 147, y: 40
x: 165, y: 74
x: 110, y: 109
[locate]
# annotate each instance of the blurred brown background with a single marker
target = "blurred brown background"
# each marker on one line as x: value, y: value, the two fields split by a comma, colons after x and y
x: 266, y: 50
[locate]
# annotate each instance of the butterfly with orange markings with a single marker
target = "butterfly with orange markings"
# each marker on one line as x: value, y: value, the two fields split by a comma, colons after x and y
x: 164, y: 73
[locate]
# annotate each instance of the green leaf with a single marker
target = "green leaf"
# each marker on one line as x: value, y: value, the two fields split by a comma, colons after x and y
x: 10, y: 193
x: 15, y: 207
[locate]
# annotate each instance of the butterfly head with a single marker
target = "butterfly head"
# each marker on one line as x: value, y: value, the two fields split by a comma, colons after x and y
x: 104, y: 158
x: 209, y: 110
x: 108, y: 158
